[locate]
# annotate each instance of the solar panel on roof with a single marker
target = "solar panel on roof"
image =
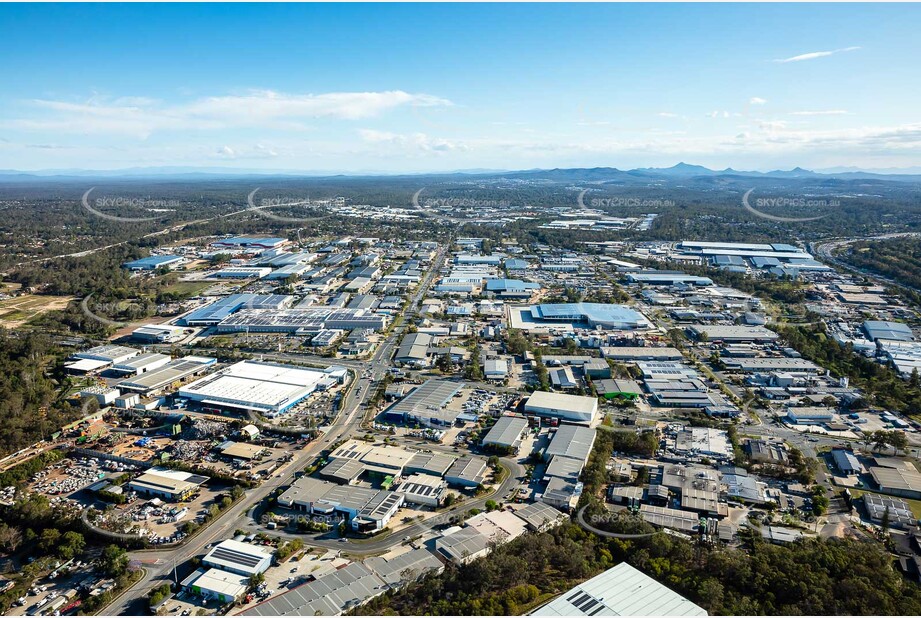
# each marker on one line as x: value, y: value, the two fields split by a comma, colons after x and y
x: 230, y: 555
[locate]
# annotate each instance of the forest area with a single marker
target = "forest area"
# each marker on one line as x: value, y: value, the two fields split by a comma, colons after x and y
x: 31, y: 391
x: 817, y: 577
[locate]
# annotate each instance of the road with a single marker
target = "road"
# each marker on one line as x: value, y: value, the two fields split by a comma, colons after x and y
x: 826, y: 250
x: 160, y: 564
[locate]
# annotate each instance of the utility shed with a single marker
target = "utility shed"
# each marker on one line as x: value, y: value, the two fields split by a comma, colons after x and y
x: 620, y: 591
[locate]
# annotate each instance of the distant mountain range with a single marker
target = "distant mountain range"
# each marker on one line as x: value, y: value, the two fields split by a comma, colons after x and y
x: 595, y: 174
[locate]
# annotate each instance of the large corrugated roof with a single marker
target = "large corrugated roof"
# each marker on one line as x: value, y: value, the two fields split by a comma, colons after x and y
x: 620, y: 591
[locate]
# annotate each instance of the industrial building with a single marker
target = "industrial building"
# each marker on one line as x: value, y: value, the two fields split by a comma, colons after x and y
x: 895, y: 331
x: 574, y: 408
x: 330, y: 594
x: 703, y: 441
x: 902, y: 481
x: 506, y: 433
x: 216, y: 584
x: 250, y: 242
x: 158, y: 333
x: 462, y: 545
x: 209, y: 315
x: 780, y: 363
x: 366, y: 509
x: 239, y: 558
x: 571, y: 441
x: 267, y: 388
x: 168, y: 375
x: 100, y: 357
x: 495, y: 369
x: 897, y: 512
x: 426, y: 403
x: 617, y: 389
x: 658, y: 277
x: 540, y: 517
x: 634, y: 353
x: 142, y: 363
x: 620, y: 591
x: 846, y: 462
x: 154, y: 262
x: 590, y: 315
x: 810, y: 415
x: 414, y: 350
x: 733, y: 334
x: 466, y: 472
x: 423, y: 489
x: 301, y: 320
x: 241, y: 272
x: 167, y: 484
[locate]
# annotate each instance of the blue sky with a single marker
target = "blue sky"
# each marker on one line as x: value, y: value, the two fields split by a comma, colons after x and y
x: 408, y: 88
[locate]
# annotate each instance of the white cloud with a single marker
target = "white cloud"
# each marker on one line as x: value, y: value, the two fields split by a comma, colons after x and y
x: 256, y: 109
x: 814, y: 55
x: 757, y: 101
x: 410, y: 143
x: 822, y: 112
x: 226, y: 151
x: 667, y: 115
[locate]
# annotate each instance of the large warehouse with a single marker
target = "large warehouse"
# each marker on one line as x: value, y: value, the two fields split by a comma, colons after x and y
x: 267, y: 388
x: 592, y: 315
x: 573, y: 408
x: 620, y: 591
x: 167, y: 484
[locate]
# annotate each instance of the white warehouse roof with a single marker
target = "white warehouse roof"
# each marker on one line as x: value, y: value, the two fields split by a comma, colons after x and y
x: 255, y: 386
x: 571, y: 407
x: 620, y: 591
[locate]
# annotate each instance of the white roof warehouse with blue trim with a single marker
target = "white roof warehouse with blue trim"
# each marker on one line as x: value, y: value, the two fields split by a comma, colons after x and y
x: 267, y: 388
x: 579, y: 315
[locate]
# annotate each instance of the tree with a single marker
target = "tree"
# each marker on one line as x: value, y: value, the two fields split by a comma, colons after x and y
x: 49, y: 539
x: 71, y: 544
x: 114, y: 560
x: 444, y: 363
x: 10, y: 538
x: 255, y: 580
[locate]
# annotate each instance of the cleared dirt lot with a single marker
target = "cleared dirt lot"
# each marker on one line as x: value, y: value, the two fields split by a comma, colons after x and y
x: 19, y: 310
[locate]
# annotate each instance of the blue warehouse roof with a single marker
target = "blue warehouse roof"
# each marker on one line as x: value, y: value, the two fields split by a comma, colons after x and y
x: 151, y: 263
x: 877, y: 329
x: 593, y: 313
x: 505, y: 285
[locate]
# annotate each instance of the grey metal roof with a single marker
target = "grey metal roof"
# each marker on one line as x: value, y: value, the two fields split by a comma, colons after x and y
x: 410, y: 565
x: 506, y: 431
x: 539, y: 516
x: 571, y: 441
x: 329, y: 595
